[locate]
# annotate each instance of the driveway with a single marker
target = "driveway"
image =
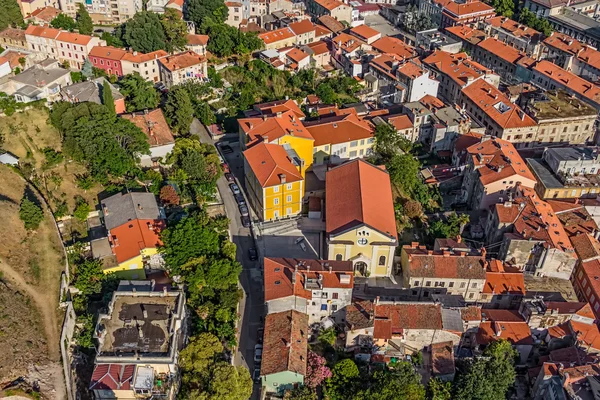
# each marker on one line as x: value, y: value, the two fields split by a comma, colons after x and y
x: 251, y: 306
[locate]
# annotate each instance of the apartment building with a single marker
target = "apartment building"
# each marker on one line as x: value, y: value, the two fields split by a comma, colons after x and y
x: 533, y: 238
x: 42, y: 81
x: 573, y: 55
x: 320, y: 57
x: 42, y: 40
x: 295, y: 34
x: 567, y: 173
x: 139, y: 339
x: 182, y: 67
x: 92, y: 90
x: 197, y: 43
x: 274, y: 183
x: 147, y: 64
x: 107, y: 12
x: 235, y: 14
x: 505, y: 60
x: 456, y: 72
x: 504, y: 286
x: 587, y: 287
x: 30, y: 6
x: 491, y: 108
x: 365, y: 33
x: 43, y: 16
x: 13, y: 39
x: 469, y: 37
x: 75, y: 48
x: 340, y: 138
x: 392, y: 45
x: 540, y: 314
x: 446, y: 13
x: 159, y: 135
x: 336, y: 9
x: 108, y: 59
x: 347, y: 54
x: 360, y: 223
x: 320, y: 289
x: 493, y: 169
x: 525, y: 39
x: 550, y: 76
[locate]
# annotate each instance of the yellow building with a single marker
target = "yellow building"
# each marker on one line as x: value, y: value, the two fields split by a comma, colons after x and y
x: 360, y: 219
x: 133, y: 222
x: 282, y: 128
x: 274, y: 184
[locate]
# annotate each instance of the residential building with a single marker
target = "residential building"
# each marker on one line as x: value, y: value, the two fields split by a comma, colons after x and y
x: 360, y: 223
x: 561, y: 118
x: 493, y: 169
x: 508, y: 325
x: 197, y: 43
x: 182, y: 67
x: 545, y: 8
x: 585, y: 336
x: 42, y: 81
x: 432, y: 39
x: 128, y: 240
x: 347, y: 54
x: 577, y: 25
x: 30, y: 6
x: 278, y: 39
x: 587, y: 287
x: 575, y: 217
x: 340, y: 138
x: 320, y: 57
x: 540, y: 314
x: 403, y: 125
x: 75, y: 48
x: 502, y: 118
x: 365, y: 33
x: 525, y: 39
x: 275, y: 109
x: 107, y: 12
x: 334, y: 8
x: 359, y: 324
x: 550, y: 76
x: 92, y: 91
x: 160, y: 137
x: 43, y: 16
x: 573, y: 55
x: 392, y: 45
x: 235, y: 13
x: 429, y: 272
x: 320, y: 289
x: 139, y: 338
x: 442, y: 361
x: 5, y: 68
x: 42, y: 40
x: 13, y: 39
x: 304, y: 31
x: 331, y: 23
x: 504, y: 286
x: 447, y: 125
x: 446, y: 13
x: 567, y: 173
x: 108, y: 59
x: 274, y: 183
x: 456, y: 72
x: 283, y: 128
x: 285, y: 350
x: 505, y: 60
x: 147, y: 64
x: 296, y: 59
x: 467, y: 35
x: 533, y: 239
x: 562, y: 380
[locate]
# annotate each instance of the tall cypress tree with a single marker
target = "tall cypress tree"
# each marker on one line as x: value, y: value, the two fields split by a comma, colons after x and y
x: 107, y: 97
x: 84, y: 21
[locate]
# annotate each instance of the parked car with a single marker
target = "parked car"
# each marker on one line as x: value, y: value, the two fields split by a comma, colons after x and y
x: 226, y: 149
x: 244, y: 210
x: 252, y: 254
x: 246, y: 222
x: 235, y: 188
x: 256, y: 374
x: 258, y: 353
x: 240, y: 199
x: 259, y: 335
x: 229, y: 177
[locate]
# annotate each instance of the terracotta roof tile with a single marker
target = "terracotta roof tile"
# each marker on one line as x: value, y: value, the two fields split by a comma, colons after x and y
x: 364, y: 32
x: 112, y: 377
x: 273, y: 107
x: 74, y: 38
x: 389, y: 44
x: 154, y: 125
x: 466, y: 33
x: 348, y: 129
x: 278, y: 273
x: 302, y: 27
x: 144, y: 57
x: 359, y: 315
x: 273, y: 128
x: 517, y: 333
x: 458, y: 67
x: 331, y: 23
x: 45, y: 14
x: 586, y: 246
x: 319, y: 47
x: 182, y: 60
x: 515, y: 28
x: 578, y: 85
x: 443, y: 264
x: 330, y: 4
x: 569, y: 45
x: 297, y: 55
x: 276, y: 35
x: 13, y: 33
x: 128, y: 240
x: 108, y: 52
x: 197, y: 39
x: 400, y: 122
x: 505, y: 52
x: 285, y: 344
x: 347, y: 42
x: 470, y: 313
x: 442, y: 358
x: 504, y: 282
x: 42, y: 31
x: 269, y: 162
x: 359, y: 193
x: 571, y: 307
x: 587, y: 333
x: 392, y: 319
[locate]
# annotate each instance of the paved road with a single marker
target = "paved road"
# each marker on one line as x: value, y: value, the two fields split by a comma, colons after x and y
x: 252, y: 304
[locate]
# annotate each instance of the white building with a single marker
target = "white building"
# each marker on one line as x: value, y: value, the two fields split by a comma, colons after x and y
x: 42, y: 81
x: 182, y: 67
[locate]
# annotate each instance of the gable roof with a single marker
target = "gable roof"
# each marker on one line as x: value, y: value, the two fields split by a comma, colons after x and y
x: 121, y: 208
x: 392, y: 319
x: 389, y: 44
x: 154, y: 125
x: 285, y: 343
x: 517, y: 333
x: 466, y: 33
x: 500, y: 280
x: 42, y: 31
x: 47, y: 14
x: 364, y: 32
x: 182, y: 60
x: 13, y: 33
x: 458, y: 67
x: 276, y: 35
x: 423, y: 263
x: 359, y: 193
x: 302, y: 27
x: 112, y: 377
x: 586, y: 246
x: 269, y: 162
x: 578, y: 85
x: 74, y: 38
x: 505, y: 52
x: 336, y: 131
x: 108, y: 52
x: 279, y: 106
x: 279, y: 281
x: 197, y: 39
x: 331, y: 23
x: 514, y: 28
x: 129, y: 239
x: 273, y: 128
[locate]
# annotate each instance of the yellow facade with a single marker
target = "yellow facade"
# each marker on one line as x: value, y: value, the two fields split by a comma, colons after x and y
x: 353, y: 149
x: 281, y: 201
x: 371, y: 252
x: 303, y: 147
x: 134, y: 267
x: 573, y: 192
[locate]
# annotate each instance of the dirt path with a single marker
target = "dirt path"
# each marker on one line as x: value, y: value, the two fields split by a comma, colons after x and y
x: 44, y: 302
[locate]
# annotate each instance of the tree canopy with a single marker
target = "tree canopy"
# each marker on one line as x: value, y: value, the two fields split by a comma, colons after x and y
x: 107, y: 97
x: 63, y: 21
x: 10, y: 15
x: 504, y: 7
x: 226, y: 40
x: 203, y: 12
x: 530, y: 19
x: 85, y: 26
x: 179, y: 112
x: 30, y: 213
x: 174, y: 29
x: 139, y: 93
x: 451, y: 228
x: 144, y: 32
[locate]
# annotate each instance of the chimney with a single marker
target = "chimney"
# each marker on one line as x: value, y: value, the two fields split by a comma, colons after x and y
x: 140, y: 333
x: 164, y: 293
x: 282, y: 178
x: 294, y: 274
x: 105, y: 209
x: 330, y: 268
x: 483, y: 252
x: 377, y: 300
x: 145, y: 313
x: 265, y: 138
x: 140, y: 207
x: 458, y: 239
x: 278, y: 114
x: 429, y: 252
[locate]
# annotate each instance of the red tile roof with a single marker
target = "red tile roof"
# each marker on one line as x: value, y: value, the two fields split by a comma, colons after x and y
x: 285, y: 343
x: 586, y: 246
x: 45, y: 14
x: 470, y: 313
x: 505, y: 52
x: 269, y: 163
x: 319, y: 47
x: 276, y: 35
x: 497, y: 315
x: 42, y: 31
x: 302, y: 27
x: 467, y: 140
x: 516, y: 29
x: 442, y: 358
x: 154, y: 125
x: 273, y: 128
x: 501, y: 281
x: 182, y: 60
x: 579, y: 50
x: 389, y: 44
x: 496, y: 159
x: 112, y: 377
x: 587, y: 333
x: 467, y: 33
x: 273, y: 107
x: 347, y: 42
x: 400, y: 122
x: 463, y: 10
x: 359, y: 193
x: 197, y: 39
x: 330, y: 4
x: 279, y: 282
x: 571, y: 307
x: 577, y: 221
x: 297, y: 55
x: 338, y: 131
x: 129, y: 239
x: 74, y: 38
x: 578, y: 85
x: 13, y: 33
x: 144, y: 57
x: 364, y: 32
x: 423, y: 263
x: 458, y: 67
x: 392, y: 319
x: 108, y: 52
x: 517, y: 333
x: 331, y: 23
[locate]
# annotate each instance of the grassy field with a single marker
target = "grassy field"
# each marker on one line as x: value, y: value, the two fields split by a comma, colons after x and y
x: 26, y: 135
x: 30, y: 268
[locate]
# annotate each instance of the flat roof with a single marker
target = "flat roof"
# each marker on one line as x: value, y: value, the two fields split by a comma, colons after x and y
x: 550, y: 105
x: 544, y: 173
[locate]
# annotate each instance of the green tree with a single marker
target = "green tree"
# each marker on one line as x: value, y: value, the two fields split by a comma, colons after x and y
x: 404, y: 172
x: 31, y: 214
x: 474, y: 382
x: 77, y: 76
x: 10, y: 15
x: 326, y: 94
x: 229, y: 382
x: 203, y: 12
x: 144, y: 32
x: 82, y: 209
x: 504, y: 7
x: 449, y: 229
x: 85, y: 26
x: 139, y: 93
x: 63, y: 21
x: 89, y: 277
x: 203, y: 112
x: 301, y: 393
x: 154, y: 181
x: 84, y: 181
x: 201, y: 352
x: 87, y: 70
x: 112, y: 40
x: 199, y: 161
x: 175, y: 30
x: 344, y: 381
x: 328, y: 336
x: 401, y: 382
x: 107, y: 97
x: 387, y: 140
x: 179, y: 112
x: 439, y: 390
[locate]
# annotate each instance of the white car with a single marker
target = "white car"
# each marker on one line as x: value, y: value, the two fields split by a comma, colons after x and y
x: 258, y: 353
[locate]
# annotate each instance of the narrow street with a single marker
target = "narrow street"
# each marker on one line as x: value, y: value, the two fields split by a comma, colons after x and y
x: 251, y: 307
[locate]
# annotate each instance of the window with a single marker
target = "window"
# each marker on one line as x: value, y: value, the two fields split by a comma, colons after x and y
x: 288, y: 198
x: 335, y: 295
x: 326, y: 147
x: 276, y: 201
x: 382, y: 260
x: 323, y: 307
x: 276, y: 189
x: 333, y: 307
x: 338, y: 257
x: 451, y: 284
x: 288, y: 186
x: 288, y: 211
x: 416, y: 283
x: 471, y: 295
x: 428, y: 283
x: 474, y: 285
x: 353, y: 153
x: 354, y: 143
x: 462, y: 285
